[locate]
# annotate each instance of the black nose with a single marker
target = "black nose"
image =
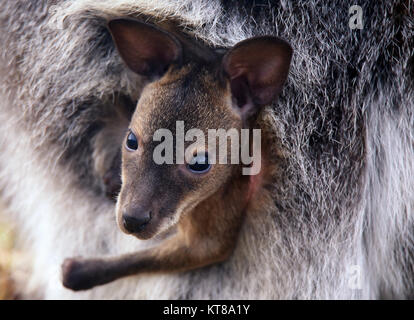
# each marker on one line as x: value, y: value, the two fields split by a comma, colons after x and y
x: 137, y: 222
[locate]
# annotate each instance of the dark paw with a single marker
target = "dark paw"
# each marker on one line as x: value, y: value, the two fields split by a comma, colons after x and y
x: 77, y: 274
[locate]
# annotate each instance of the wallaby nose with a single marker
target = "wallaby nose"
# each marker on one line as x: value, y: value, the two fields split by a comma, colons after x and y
x: 135, y: 221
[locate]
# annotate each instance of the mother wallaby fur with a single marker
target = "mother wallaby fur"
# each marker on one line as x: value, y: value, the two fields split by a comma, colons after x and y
x: 337, y: 223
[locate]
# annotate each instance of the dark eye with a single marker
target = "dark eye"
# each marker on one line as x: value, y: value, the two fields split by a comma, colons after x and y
x: 199, y: 164
x: 132, y: 142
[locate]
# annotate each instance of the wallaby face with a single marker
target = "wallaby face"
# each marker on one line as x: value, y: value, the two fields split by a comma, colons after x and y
x: 154, y: 197
x: 205, y: 201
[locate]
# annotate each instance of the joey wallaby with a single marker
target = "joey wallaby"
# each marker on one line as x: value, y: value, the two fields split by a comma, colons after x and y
x: 202, y: 203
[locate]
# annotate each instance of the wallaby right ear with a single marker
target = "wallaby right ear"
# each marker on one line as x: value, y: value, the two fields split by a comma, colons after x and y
x: 257, y: 69
x: 145, y: 49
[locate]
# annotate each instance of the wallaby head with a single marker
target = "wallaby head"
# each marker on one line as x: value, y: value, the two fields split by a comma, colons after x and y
x: 218, y: 90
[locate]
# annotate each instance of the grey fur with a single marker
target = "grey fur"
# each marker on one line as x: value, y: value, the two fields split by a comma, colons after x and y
x: 343, y: 130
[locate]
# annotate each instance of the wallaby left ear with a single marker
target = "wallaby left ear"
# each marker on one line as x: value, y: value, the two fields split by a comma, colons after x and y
x: 257, y: 68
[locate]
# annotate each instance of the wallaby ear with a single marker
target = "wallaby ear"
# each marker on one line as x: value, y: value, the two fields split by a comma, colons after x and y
x: 145, y: 49
x: 257, y: 68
